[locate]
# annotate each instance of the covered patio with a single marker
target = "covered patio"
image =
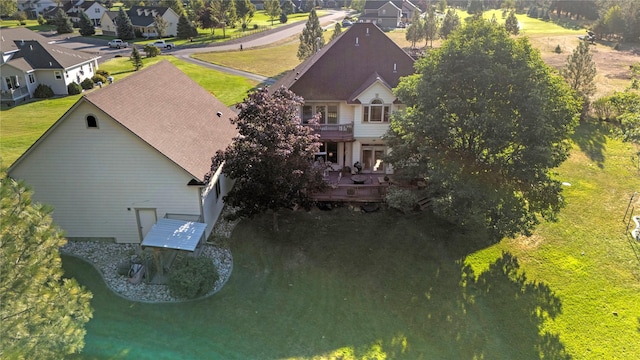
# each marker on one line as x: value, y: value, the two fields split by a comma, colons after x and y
x: 170, y: 240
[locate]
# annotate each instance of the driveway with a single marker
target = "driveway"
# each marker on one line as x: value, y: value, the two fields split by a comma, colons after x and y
x: 99, y: 46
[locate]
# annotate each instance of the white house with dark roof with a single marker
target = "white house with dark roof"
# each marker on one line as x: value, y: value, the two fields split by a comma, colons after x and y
x: 136, y: 151
x: 29, y: 59
x: 143, y: 20
x: 349, y: 83
x: 388, y: 13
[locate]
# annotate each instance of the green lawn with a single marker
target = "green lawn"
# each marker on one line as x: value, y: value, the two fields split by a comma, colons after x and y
x: 343, y: 284
x: 21, y: 126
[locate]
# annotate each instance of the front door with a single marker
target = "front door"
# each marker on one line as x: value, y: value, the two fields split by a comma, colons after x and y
x: 372, y: 158
x: 146, y: 219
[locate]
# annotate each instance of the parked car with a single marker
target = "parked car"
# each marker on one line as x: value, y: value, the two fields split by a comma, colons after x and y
x: 118, y: 43
x: 346, y: 23
x: 163, y: 44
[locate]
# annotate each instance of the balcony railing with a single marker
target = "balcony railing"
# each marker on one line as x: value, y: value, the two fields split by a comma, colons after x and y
x: 334, y: 132
x: 14, y: 94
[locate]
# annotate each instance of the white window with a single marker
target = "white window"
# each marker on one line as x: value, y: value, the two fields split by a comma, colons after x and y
x: 32, y: 79
x: 328, y: 113
x: 376, y: 111
x: 58, y: 75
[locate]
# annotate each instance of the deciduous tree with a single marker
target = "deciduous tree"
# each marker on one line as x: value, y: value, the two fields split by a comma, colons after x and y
x: 161, y: 25
x: 86, y: 25
x: 430, y: 28
x: 8, y: 7
x: 245, y: 10
x: 415, y: 30
x: 485, y: 123
x: 311, y: 38
x: 270, y: 159
x: 42, y: 314
x: 272, y: 9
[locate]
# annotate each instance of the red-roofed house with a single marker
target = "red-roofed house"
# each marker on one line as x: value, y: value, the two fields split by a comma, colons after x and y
x: 349, y: 83
x: 130, y: 153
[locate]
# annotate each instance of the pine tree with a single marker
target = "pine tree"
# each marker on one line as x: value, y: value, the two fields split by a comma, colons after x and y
x: 311, y: 39
x: 580, y: 73
x: 185, y: 28
x: 63, y: 23
x: 337, y: 30
x: 43, y: 315
x: 86, y: 25
x: 415, y: 31
x: 136, y: 58
x: 450, y: 23
x: 511, y: 23
x: 124, y: 25
x: 430, y: 28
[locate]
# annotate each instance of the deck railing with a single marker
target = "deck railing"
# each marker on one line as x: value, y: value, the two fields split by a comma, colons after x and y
x: 14, y: 94
x: 353, y: 193
x: 334, y: 131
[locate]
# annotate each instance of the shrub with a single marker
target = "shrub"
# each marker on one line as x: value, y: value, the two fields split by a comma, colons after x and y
x: 87, y: 84
x: 558, y: 49
x: 99, y: 78
x: 43, y: 92
x: 74, y: 88
x: 41, y: 20
x: 193, y: 277
x: 401, y: 199
x: 151, y: 51
x: 283, y: 18
x: 103, y: 73
x: 255, y: 26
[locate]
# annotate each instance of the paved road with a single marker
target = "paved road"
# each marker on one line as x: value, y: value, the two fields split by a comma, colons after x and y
x: 98, y: 46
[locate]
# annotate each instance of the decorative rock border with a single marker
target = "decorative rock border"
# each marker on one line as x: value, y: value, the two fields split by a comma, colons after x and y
x: 106, y: 256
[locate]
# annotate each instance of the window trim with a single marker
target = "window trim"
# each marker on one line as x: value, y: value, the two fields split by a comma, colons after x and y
x: 327, y: 112
x: 376, y: 104
x: 57, y: 74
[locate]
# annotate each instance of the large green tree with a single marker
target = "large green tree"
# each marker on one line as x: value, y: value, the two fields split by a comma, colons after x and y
x: 8, y: 7
x: 311, y: 38
x: 245, y: 10
x: 415, y: 31
x: 272, y: 9
x: 270, y: 158
x: 63, y: 23
x: 161, y: 25
x: 86, y: 25
x: 42, y: 315
x: 124, y: 26
x: 485, y: 123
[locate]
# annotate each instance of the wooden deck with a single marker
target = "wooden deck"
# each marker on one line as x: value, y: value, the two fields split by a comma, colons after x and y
x: 344, y: 189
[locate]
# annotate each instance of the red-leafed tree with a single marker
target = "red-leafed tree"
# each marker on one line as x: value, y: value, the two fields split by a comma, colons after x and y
x: 270, y: 159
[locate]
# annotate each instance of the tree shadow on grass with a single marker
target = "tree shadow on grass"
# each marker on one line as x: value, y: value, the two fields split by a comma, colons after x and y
x: 591, y: 137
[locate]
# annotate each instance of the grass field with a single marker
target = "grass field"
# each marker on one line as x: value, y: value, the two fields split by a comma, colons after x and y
x: 348, y: 285
x: 21, y: 126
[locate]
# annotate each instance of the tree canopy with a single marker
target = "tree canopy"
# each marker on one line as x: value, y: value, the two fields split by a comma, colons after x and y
x: 485, y: 123
x: 311, y: 38
x: 42, y: 314
x: 63, y: 23
x: 273, y: 9
x: 270, y: 159
x: 450, y: 23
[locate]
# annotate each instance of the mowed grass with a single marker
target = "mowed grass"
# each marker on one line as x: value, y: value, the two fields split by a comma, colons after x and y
x: 349, y: 285
x: 22, y: 125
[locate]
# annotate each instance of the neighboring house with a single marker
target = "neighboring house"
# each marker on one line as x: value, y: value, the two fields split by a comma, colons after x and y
x: 28, y: 60
x: 73, y: 9
x: 389, y: 13
x: 143, y: 21
x: 130, y: 153
x: 349, y: 83
x: 33, y: 8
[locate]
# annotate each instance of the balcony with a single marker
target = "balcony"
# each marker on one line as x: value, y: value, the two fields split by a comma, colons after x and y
x: 333, y: 132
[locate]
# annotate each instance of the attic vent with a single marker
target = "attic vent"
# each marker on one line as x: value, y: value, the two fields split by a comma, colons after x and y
x: 367, y: 31
x: 395, y: 67
x: 50, y: 64
x: 357, y: 44
x: 31, y: 47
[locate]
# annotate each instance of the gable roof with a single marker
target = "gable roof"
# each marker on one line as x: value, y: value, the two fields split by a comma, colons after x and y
x: 34, y: 52
x: 182, y: 125
x: 377, y: 4
x: 338, y: 70
x: 179, y: 122
x: 143, y: 15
